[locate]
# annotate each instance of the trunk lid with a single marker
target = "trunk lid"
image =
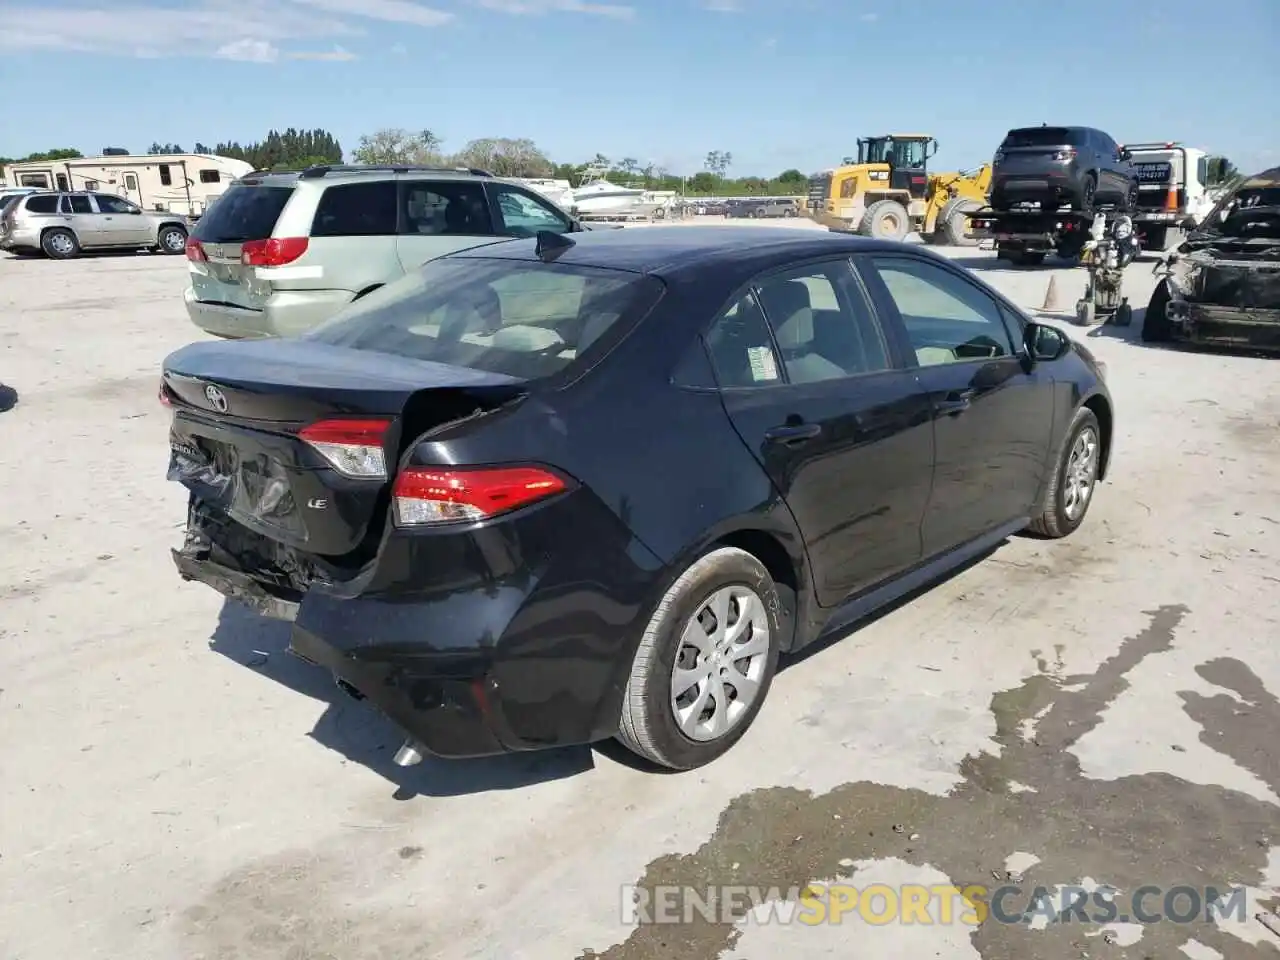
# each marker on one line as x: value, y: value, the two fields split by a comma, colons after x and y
x: 245, y: 213
x: 242, y: 412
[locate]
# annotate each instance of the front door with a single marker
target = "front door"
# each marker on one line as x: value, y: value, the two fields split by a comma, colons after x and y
x: 120, y: 223
x: 992, y: 411
x: 818, y: 394
x: 129, y: 187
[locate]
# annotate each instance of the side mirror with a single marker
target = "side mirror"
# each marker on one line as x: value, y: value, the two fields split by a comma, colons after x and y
x: 1045, y: 343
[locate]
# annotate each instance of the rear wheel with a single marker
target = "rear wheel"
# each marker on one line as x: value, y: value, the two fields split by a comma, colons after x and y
x: 1131, y: 198
x: 1088, y: 193
x: 1156, y: 327
x: 59, y: 244
x: 1070, y: 489
x: 171, y: 240
x: 705, y: 663
x: 885, y: 220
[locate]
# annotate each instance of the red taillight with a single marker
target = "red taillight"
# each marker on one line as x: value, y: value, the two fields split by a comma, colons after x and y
x: 275, y: 252
x: 427, y: 495
x: 195, y: 251
x: 353, y: 447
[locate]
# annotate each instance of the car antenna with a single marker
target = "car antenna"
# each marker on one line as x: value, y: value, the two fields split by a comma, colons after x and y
x: 551, y: 245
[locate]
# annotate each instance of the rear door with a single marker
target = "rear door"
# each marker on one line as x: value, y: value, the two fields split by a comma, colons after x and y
x: 992, y: 411
x: 818, y: 394
x: 120, y: 223
x: 245, y: 212
x: 439, y: 217
x: 81, y: 217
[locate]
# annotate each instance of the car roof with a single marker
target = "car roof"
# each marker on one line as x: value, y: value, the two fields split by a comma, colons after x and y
x: 353, y: 174
x: 670, y: 251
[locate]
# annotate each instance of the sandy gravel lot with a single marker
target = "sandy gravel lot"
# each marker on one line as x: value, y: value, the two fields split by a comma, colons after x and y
x: 1101, y: 710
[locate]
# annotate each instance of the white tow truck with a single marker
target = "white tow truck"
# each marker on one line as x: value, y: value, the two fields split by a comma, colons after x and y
x: 1177, y: 187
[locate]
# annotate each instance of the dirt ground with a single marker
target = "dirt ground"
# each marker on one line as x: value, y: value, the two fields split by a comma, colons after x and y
x: 1096, y: 711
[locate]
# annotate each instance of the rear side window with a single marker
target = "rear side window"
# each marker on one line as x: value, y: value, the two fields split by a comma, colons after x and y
x: 519, y: 318
x: 446, y: 208
x: 1037, y: 137
x: 357, y: 210
x: 48, y: 204
x: 243, y: 213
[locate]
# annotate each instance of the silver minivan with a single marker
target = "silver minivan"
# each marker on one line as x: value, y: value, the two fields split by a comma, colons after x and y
x: 280, y: 253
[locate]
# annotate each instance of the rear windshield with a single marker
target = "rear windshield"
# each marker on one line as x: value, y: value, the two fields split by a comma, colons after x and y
x: 1250, y: 212
x: 1038, y: 137
x: 242, y: 213
x: 514, y: 317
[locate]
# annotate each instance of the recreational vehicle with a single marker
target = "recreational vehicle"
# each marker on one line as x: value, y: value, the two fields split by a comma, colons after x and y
x: 183, y: 183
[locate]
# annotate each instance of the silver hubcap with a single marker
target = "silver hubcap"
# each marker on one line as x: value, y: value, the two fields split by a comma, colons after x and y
x: 720, y: 664
x: 1081, y: 474
x: 61, y: 243
x: 174, y: 240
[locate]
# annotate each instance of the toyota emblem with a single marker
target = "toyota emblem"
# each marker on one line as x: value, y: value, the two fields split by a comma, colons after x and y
x: 217, y: 399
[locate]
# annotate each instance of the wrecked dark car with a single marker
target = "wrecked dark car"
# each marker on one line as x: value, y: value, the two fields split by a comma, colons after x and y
x: 1222, y: 286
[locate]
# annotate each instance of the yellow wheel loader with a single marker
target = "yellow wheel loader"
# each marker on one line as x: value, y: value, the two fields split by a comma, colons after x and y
x: 887, y: 192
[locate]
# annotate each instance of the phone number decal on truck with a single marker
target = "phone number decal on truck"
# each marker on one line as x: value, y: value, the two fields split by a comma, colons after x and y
x: 1154, y: 172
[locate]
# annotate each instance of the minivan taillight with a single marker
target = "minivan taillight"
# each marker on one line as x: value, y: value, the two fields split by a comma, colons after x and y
x: 195, y: 251
x: 355, y: 448
x: 430, y: 495
x: 275, y: 252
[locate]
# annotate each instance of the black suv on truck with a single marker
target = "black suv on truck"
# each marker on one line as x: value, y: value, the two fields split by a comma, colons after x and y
x: 1054, y: 166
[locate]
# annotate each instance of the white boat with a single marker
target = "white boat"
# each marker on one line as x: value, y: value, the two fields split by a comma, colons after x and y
x: 599, y: 197
x: 559, y: 192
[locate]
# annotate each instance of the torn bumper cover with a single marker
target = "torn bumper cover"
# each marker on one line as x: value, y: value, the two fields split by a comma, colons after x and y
x: 1251, y: 327
x: 1226, y: 300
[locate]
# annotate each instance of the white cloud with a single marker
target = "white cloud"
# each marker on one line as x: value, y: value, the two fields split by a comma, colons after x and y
x: 394, y: 11
x: 525, y: 7
x: 250, y: 51
x: 254, y: 30
x: 336, y: 55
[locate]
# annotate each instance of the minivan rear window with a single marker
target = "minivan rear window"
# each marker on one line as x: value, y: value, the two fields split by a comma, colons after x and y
x: 1038, y: 137
x: 519, y: 318
x: 242, y: 213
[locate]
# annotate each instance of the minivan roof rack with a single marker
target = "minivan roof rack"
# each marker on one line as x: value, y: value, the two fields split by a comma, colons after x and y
x: 325, y: 169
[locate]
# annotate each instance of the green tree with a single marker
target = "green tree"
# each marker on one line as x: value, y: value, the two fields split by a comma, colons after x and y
x: 396, y: 145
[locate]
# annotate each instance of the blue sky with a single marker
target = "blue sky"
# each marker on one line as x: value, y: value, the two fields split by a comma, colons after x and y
x: 779, y: 83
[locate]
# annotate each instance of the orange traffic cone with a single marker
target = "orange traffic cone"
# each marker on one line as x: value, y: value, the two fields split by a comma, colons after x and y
x: 1051, y: 296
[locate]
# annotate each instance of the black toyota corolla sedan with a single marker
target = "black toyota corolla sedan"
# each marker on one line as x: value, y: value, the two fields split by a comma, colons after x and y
x: 557, y: 490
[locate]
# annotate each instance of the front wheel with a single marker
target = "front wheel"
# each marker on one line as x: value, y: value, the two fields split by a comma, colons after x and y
x: 1070, y: 490
x: 1156, y: 327
x: 705, y: 663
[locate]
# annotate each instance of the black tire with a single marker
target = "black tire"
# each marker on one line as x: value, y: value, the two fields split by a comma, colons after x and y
x: 1123, y: 316
x: 1156, y: 327
x: 1055, y: 520
x: 648, y: 725
x: 953, y: 224
x: 1025, y: 258
x: 165, y: 240
x: 1085, y: 313
x: 885, y: 220
x: 1130, y: 202
x: 59, y: 244
x: 1088, y: 194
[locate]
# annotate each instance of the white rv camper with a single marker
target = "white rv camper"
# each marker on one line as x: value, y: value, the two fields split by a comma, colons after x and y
x: 184, y: 183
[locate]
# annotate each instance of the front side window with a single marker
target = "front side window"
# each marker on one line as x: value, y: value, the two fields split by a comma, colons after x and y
x: 522, y: 319
x: 356, y: 210
x: 447, y: 208
x: 821, y: 324
x: 110, y: 204
x: 523, y: 216
x: 947, y: 319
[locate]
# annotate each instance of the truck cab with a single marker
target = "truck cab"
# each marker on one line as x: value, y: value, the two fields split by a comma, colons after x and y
x: 1177, y: 187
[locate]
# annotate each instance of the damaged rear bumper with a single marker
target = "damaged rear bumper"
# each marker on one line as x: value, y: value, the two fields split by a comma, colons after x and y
x: 1250, y: 327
